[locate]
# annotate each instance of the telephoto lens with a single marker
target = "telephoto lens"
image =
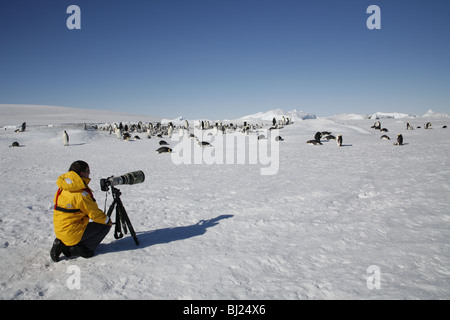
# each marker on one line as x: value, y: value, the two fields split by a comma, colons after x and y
x: 128, y: 178
x: 133, y: 177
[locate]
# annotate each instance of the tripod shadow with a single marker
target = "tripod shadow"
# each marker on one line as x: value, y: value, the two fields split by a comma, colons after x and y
x: 160, y: 236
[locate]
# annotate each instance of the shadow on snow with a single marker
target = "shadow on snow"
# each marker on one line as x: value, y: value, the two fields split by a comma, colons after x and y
x: 160, y: 236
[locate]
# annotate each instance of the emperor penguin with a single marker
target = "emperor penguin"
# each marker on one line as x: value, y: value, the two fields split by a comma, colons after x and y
x: 119, y: 133
x: 399, y: 140
x: 339, y: 140
x: 377, y: 125
x: 66, y: 138
x: 314, y: 142
x: 203, y: 143
x: 164, y: 150
x: 317, y: 136
x: 170, y: 130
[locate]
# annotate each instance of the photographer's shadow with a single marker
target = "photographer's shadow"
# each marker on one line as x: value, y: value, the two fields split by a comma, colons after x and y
x: 160, y: 236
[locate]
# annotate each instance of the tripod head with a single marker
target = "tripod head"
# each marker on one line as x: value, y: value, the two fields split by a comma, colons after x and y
x: 115, y: 193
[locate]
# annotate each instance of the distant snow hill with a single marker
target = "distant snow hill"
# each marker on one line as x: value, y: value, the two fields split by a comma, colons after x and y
x: 395, y: 115
x: 431, y: 114
x: 294, y: 115
x: 16, y: 114
x: 391, y: 115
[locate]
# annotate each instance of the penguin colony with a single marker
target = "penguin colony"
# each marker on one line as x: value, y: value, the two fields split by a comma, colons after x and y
x: 399, y: 142
x: 125, y: 131
x: 158, y: 130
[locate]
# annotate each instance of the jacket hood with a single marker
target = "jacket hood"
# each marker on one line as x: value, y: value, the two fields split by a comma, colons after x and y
x: 72, y: 182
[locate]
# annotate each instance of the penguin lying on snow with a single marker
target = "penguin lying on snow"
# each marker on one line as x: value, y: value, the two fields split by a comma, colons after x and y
x: 314, y: 142
x: 385, y: 137
x: 126, y: 136
x: 204, y: 143
x: 15, y: 144
x: 164, y: 150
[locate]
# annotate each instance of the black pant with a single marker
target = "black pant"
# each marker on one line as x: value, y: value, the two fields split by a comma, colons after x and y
x: 94, y: 234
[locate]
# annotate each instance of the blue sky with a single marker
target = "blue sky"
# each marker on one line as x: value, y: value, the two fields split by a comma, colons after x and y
x: 227, y: 58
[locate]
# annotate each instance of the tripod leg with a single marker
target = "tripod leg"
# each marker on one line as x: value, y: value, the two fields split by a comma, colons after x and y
x: 123, y: 214
x: 127, y: 223
x: 133, y: 233
x: 118, y: 230
x: 111, y: 208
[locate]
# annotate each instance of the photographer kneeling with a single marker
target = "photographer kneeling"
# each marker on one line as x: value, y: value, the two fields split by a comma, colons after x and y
x: 74, y: 206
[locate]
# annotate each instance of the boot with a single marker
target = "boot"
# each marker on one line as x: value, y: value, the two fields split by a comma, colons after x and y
x: 58, y: 248
x: 80, y: 249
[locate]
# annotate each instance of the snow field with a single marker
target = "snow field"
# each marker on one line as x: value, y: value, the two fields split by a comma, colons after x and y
x: 225, y: 231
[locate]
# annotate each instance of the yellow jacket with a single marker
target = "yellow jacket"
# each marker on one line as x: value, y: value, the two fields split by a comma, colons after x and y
x: 74, y: 206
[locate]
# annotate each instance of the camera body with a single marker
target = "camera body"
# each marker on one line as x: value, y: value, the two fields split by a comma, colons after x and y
x: 128, y: 178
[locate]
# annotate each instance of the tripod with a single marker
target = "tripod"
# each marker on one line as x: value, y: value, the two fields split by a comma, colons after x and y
x: 122, y: 219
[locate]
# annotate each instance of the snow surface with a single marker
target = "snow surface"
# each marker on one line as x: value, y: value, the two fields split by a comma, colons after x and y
x: 317, y: 229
